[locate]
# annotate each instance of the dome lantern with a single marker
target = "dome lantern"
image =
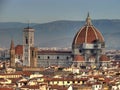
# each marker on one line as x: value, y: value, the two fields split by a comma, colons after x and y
x: 88, y: 20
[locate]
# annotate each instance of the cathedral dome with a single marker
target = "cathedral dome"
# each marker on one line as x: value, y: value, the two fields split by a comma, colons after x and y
x: 87, y: 34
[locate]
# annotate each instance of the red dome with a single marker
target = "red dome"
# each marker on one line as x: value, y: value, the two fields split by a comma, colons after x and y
x: 79, y: 58
x: 87, y: 34
x: 104, y: 58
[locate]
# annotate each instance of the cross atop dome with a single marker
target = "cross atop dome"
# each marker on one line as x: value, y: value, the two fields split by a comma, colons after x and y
x: 88, y: 20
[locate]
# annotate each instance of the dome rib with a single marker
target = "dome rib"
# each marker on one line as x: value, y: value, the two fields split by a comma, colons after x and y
x: 102, y: 38
x: 86, y: 34
x: 95, y: 32
x: 77, y: 35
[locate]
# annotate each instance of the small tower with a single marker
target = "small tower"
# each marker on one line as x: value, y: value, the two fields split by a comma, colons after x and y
x: 28, y: 42
x: 12, y: 54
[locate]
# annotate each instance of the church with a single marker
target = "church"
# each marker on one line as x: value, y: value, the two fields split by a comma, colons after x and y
x: 88, y: 50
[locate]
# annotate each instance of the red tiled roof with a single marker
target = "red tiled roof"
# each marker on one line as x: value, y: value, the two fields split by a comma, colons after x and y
x: 26, y: 73
x: 53, y: 51
x: 5, y: 88
x: 56, y: 87
x: 19, y: 50
x: 31, y: 86
x: 66, y: 79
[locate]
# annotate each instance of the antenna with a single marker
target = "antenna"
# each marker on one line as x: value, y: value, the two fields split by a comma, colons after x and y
x: 28, y: 23
x: 88, y: 15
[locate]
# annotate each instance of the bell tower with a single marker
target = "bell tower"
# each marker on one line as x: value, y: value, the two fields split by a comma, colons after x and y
x: 12, y: 54
x: 28, y: 41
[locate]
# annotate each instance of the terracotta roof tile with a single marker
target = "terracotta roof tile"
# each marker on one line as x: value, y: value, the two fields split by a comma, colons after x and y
x: 53, y: 51
x: 5, y: 88
x: 31, y: 86
x: 56, y: 87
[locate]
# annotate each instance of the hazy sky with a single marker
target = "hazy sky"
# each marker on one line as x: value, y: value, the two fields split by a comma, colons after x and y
x: 50, y: 10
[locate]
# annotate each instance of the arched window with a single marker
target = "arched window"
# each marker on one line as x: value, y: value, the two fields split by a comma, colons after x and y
x: 26, y: 40
x: 32, y: 53
x: 31, y: 40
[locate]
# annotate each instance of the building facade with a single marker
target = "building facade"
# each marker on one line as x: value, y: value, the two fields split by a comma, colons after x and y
x: 48, y: 58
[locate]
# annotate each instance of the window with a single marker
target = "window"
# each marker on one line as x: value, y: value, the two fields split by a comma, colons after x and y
x: 31, y: 40
x: 26, y: 50
x: 68, y: 82
x: 80, y: 50
x: 39, y: 57
x: 67, y: 57
x: 26, y: 40
x: 57, y: 57
x: 48, y: 57
x: 18, y: 57
x: 32, y: 53
x: 26, y: 58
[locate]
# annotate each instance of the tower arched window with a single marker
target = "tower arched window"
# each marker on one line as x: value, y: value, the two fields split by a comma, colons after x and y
x: 31, y: 40
x: 26, y: 40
